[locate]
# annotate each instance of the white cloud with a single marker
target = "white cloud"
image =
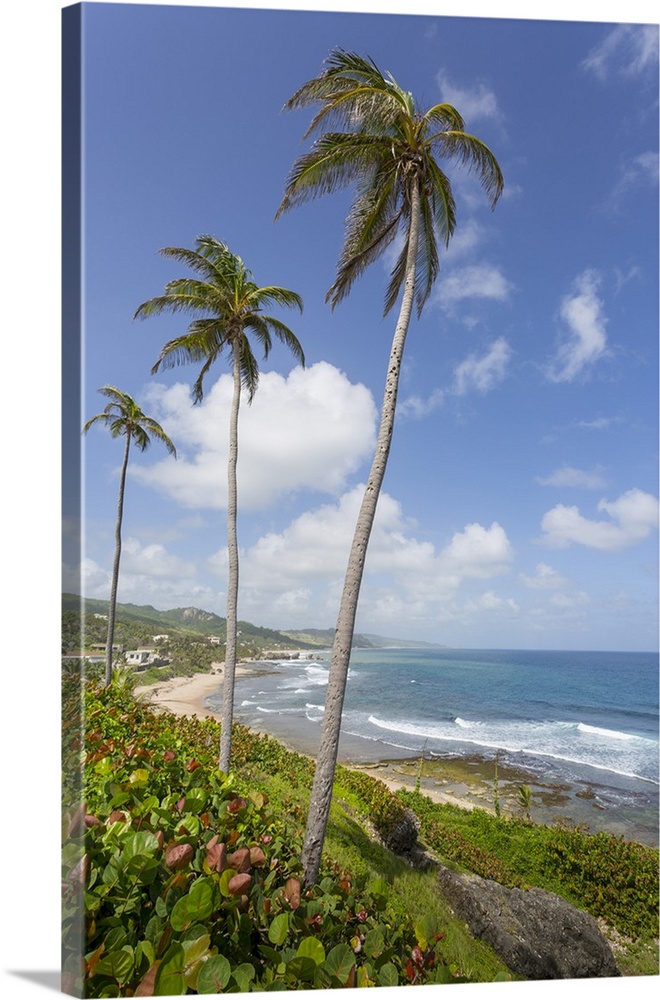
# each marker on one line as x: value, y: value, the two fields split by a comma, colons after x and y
x: 309, y: 430
x: 582, y: 312
x: 471, y: 102
x: 483, y: 372
x: 416, y: 408
x: 475, y: 281
x: 569, y: 476
x: 639, y: 171
x: 301, y: 569
x: 627, y: 50
x: 477, y: 552
x: 545, y: 578
x: 476, y: 372
x: 632, y: 518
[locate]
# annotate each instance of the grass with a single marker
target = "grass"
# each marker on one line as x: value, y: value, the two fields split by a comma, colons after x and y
x: 613, y: 879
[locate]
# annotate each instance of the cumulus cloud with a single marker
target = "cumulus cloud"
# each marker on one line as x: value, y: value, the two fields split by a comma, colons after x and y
x: 483, y: 372
x: 567, y: 475
x: 301, y: 568
x: 632, y: 517
x: 475, y: 281
x: 586, y: 343
x: 472, y: 102
x: 149, y: 575
x: 309, y: 430
x: 627, y: 50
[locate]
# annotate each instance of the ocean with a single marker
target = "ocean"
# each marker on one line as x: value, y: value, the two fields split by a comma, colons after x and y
x: 582, y: 719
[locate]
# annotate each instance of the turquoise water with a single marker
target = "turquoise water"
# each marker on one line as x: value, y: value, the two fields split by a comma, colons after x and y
x: 576, y: 717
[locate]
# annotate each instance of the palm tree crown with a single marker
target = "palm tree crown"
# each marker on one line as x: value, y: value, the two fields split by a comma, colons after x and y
x: 232, y: 302
x: 381, y: 141
x: 124, y: 418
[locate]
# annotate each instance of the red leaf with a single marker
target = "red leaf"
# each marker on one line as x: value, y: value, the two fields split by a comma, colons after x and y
x: 146, y: 987
x: 239, y: 884
x: 216, y: 855
x: 240, y: 860
x: 292, y: 892
x: 236, y: 804
x: 178, y: 856
x: 257, y: 857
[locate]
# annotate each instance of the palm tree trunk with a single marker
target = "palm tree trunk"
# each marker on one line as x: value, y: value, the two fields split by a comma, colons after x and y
x: 112, y: 607
x: 227, y: 717
x: 326, y: 762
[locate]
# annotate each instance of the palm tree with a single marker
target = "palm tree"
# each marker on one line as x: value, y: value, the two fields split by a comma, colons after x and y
x: 124, y: 418
x: 231, y: 304
x: 524, y: 800
x: 381, y: 141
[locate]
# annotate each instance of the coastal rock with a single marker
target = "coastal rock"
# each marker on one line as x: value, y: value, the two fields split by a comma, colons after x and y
x: 536, y: 933
x: 401, y: 838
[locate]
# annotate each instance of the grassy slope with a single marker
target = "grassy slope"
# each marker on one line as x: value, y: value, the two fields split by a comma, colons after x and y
x: 360, y: 802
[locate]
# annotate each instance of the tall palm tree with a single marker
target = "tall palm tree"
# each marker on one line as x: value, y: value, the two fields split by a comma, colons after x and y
x: 231, y: 304
x: 124, y: 418
x: 392, y: 150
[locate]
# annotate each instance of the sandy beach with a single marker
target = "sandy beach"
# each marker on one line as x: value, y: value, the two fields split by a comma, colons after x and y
x: 185, y: 695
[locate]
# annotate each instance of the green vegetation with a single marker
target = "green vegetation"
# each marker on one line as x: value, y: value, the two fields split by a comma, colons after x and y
x: 611, y: 878
x: 190, y: 881
x: 136, y: 624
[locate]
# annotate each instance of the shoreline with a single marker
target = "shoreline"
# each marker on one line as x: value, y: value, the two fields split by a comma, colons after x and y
x: 466, y: 781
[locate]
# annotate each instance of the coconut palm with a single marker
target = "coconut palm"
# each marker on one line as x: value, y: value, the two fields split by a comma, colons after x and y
x: 124, y: 418
x: 524, y: 800
x: 230, y: 303
x: 380, y: 140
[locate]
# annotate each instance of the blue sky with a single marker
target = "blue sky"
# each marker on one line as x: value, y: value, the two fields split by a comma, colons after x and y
x: 520, y: 503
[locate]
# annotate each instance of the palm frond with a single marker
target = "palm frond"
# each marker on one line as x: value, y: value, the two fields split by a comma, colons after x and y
x: 474, y: 154
x: 335, y: 161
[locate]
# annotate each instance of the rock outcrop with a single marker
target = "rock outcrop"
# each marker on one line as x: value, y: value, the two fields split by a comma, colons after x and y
x: 536, y: 933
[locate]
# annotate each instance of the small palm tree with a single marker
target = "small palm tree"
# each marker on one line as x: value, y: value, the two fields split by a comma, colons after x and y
x: 524, y: 800
x: 124, y: 418
x: 231, y: 305
x: 392, y: 150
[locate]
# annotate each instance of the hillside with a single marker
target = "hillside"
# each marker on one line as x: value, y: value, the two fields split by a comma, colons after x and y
x: 145, y: 620
x: 191, y: 622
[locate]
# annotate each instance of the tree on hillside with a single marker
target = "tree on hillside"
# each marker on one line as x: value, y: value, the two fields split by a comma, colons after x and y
x: 124, y: 418
x: 230, y: 303
x: 392, y: 150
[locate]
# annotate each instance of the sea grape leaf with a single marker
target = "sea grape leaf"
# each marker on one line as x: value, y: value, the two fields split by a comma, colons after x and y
x: 340, y: 963
x: 302, y: 969
x: 311, y: 947
x: 374, y: 943
x: 243, y: 975
x: 118, y: 964
x: 213, y: 975
x: 195, y: 906
x: 426, y: 930
x: 279, y: 929
x: 170, y: 980
x: 143, y: 842
x: 388, y: 976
